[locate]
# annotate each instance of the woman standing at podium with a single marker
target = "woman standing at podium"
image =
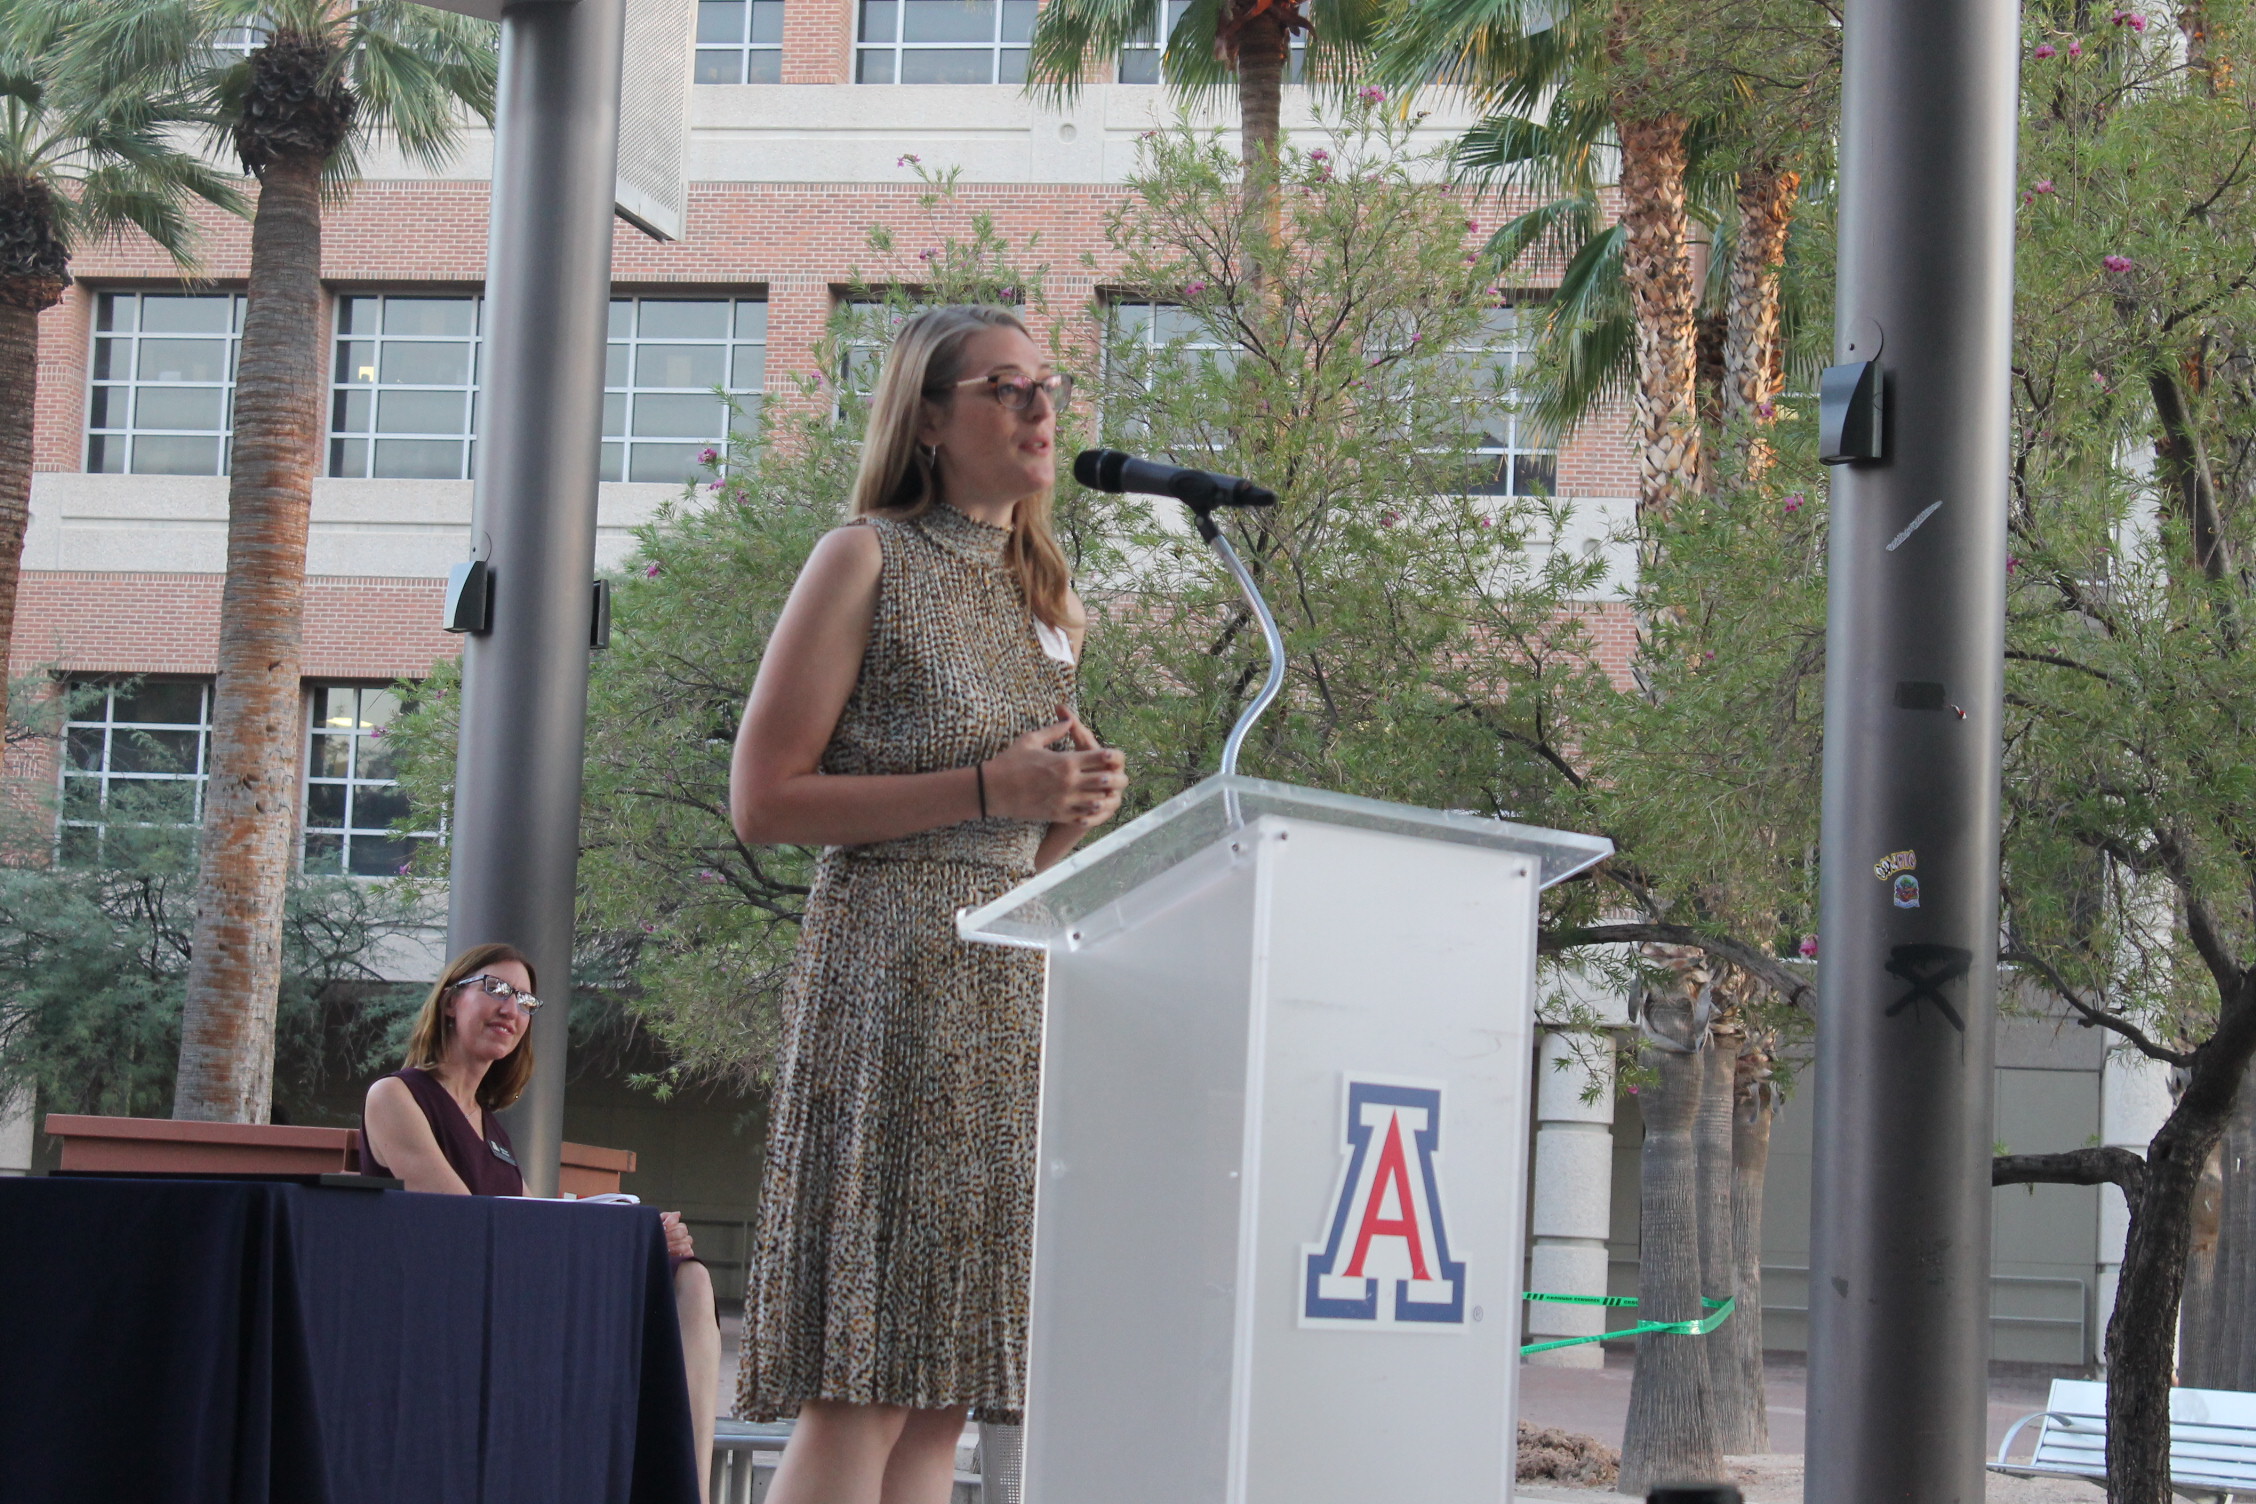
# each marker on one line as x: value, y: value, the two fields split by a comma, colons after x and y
x: 913, y: 716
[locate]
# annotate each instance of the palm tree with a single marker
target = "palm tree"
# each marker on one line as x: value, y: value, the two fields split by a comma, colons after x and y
x: 87, y: 150
x: 329, y: 76
x: 1212, y: 44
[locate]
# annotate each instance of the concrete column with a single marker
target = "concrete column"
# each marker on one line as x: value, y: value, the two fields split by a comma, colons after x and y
x: 17, y: 1124
x: 2134, y: 1099
x: 1574, y: 1173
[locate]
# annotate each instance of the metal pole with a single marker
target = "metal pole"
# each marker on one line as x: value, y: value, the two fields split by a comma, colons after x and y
x: 1900, y: 1256
x: 516, y: 823
x: 1269, y: 634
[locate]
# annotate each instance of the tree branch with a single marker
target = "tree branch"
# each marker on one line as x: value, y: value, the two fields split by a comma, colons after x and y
x: 2094, y: 1017
x: 1769, y: 970
x: 2110, y: 1166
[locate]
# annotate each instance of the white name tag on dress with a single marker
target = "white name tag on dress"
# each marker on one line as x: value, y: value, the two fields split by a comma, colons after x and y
x: 1054, y: 641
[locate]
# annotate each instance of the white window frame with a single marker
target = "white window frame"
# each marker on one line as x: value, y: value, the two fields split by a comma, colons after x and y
x: 1506, y: 458
x: 737, y: 55
x: 114, y: 732
x: 352, y: 738
x: 114, y: 401
x: 743, y: 377
x: 344, y: 387
x: 1010, y: 30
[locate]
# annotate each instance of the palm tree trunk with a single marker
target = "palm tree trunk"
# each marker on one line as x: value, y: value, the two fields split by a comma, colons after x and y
x: 250, y: 802
x: 1742, y: 1413
x: 21, y: 300
x: 1711, y: 1132
x: 1658, y: 270
x: 1263, y: 48
x: 1753, y: 355
x: 1669, y: 1435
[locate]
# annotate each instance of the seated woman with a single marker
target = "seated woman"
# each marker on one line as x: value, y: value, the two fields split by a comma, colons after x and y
x: 431, y: 1125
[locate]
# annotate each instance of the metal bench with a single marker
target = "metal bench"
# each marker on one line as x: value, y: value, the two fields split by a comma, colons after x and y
x: 745, y: 1457
x: 2212, y: 1440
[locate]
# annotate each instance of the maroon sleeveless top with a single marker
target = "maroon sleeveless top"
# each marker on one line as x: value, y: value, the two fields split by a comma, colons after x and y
x: 485, y: 1161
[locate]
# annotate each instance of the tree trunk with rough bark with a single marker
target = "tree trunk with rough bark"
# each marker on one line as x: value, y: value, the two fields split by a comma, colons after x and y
x: 1669, y: 1436
x: 1657, y: 268
x: 20, y: 306
x: 2142, y: 1332
x: 1711, y: 1132
x: 2217, y: 1346
x: 1742, y: 1413
x: 234, y: 977
x: 2182, y: 457
x: 1264, y: 47
x: 34, y: 270
x: 1753, y: 349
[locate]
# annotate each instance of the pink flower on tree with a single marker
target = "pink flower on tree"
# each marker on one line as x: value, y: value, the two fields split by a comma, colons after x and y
x: 906, y: 159
x: 2075, y: 49
x: 2130, y: 18
x: 1371, y: 94
x: 2117, y: 264
x: 1793, y: 503
x: 707, y: 456
x: 1319, y: 155
x: 2044, y: 185
x: 1389, y: 519
x: 1808, y: 948
x: 1193, y: 289
x: 1766, y: 410
x: 2044, y: 50
x: 652, y: 572
x: 2012, y: 563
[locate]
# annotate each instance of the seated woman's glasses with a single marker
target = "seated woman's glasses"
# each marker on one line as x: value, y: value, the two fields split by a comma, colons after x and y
x: 496, y: 987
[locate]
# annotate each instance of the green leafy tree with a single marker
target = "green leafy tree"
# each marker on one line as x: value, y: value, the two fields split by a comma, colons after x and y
x: 89, y: 148
x: 326, y: 79
x: 94, y: 954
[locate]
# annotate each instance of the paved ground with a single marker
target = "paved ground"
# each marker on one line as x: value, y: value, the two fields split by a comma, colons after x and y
x: 1594, y: 1401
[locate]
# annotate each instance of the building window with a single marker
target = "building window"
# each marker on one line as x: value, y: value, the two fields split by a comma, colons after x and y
x: 739, y: 42
x: 1512, y: 459
x: 162, y: 397
x: 133, y: 762
x: 352, y: 802
x: 404, y: 396
x: 1141, y: 53
x: 943, y: 41
x: 667, y: 363
x: 1147, y: 342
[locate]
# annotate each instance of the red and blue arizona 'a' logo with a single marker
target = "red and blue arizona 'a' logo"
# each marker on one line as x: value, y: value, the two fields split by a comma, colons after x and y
x: 1385, y: 1257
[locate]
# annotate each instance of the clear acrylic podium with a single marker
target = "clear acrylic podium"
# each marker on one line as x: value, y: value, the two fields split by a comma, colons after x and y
x: 1283, y: 1152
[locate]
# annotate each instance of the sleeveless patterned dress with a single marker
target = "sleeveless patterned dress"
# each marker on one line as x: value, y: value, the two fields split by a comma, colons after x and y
x: 896, y: 1206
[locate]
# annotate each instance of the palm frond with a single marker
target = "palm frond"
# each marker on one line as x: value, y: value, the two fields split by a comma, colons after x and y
x: 1586, y: 352
x: 1072, y: 37
x: 416, y: 70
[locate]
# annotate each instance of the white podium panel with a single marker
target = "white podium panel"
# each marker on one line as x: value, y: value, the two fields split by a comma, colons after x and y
x: 1284, y: 1118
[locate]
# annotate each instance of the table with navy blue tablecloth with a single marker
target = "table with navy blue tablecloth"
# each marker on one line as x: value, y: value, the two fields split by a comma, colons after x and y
x: 228, y: 1342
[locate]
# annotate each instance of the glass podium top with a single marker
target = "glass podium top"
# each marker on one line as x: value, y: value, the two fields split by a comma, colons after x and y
x: 1095, y: 879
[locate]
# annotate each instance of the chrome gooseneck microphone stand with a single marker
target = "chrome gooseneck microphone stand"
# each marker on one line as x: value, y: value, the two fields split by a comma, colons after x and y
x: 1269, y: 633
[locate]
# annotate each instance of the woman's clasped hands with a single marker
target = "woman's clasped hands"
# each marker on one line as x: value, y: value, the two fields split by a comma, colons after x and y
x: 1030, y: 780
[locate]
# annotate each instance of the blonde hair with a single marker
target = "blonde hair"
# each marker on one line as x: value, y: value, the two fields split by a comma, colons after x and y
x: 506, y: 1081
x: 897, y: 479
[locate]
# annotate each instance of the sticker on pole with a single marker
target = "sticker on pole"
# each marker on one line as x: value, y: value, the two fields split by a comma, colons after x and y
x: 1385, y: 1260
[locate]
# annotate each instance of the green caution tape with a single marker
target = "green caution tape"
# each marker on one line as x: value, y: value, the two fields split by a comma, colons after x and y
x: 1717, y: 1311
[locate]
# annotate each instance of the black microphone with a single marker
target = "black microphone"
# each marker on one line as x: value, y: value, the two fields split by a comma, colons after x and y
x: 1110, y: 470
